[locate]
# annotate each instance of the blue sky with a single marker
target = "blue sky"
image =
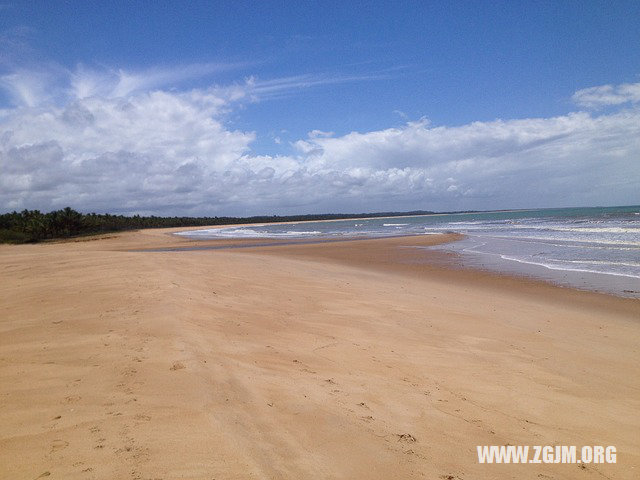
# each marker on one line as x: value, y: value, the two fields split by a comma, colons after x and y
x: 287, y: 107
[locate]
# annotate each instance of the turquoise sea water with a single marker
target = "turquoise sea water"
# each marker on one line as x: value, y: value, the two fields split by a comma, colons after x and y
x: 596, y: 248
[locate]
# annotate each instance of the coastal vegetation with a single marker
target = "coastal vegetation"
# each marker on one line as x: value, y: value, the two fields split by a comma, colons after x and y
x: 29, y: 226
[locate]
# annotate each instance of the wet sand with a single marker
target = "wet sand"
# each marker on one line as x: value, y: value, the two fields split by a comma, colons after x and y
x: 353, y: 360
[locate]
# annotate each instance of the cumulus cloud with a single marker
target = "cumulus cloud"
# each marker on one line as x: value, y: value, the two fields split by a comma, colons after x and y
x: 571, y: 159
x: 110, y: 141
x: 607, y: 95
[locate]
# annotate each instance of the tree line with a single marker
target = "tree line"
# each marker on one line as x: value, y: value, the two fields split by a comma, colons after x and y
x: 30, y: 226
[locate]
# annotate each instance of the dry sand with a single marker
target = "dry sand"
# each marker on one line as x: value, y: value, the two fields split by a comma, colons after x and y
x: 347, y: 360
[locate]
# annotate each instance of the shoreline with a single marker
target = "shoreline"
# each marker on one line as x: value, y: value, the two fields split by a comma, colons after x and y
x: 333, y: 360
x: 439, y: 265
x: 444, y: 259
x: 601, y: 270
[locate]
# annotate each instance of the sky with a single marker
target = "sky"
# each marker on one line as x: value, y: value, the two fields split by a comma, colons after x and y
x: 289, y: 107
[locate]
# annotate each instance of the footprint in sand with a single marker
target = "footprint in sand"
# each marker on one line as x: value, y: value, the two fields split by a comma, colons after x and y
x: 58, y: 445
x: 177, y: 366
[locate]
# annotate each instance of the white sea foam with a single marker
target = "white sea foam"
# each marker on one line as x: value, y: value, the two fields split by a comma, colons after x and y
x: 601, y: 262
x: 553, y: 228
x: 552, y: 266
x: 602, y: 242
x: 479, y: 222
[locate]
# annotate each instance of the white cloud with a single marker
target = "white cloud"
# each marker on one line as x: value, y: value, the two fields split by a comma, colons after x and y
x: 607, y: 95
x: 319, y: 134
x: 121, y: 83
x: 108, y: 144
x: 33, y: 87
x: 52, y: 84
x: 573, y: 159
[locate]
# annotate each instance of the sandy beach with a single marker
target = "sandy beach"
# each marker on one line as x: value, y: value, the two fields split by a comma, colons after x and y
x: 350, y: 360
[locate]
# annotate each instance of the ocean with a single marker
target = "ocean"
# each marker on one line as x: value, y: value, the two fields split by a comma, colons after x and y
x: 596, y: 248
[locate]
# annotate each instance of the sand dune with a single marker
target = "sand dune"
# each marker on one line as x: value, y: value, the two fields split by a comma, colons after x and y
x: 348, y: 360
